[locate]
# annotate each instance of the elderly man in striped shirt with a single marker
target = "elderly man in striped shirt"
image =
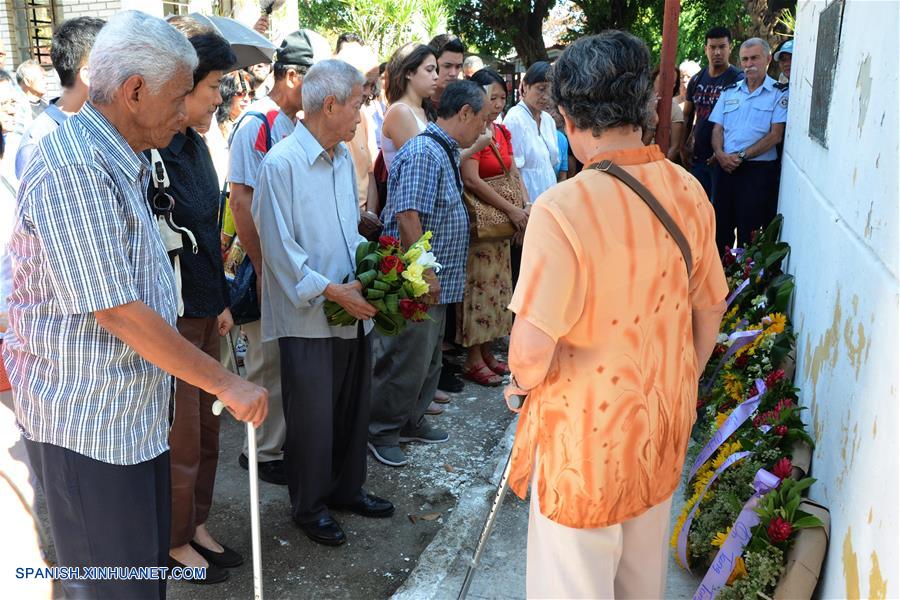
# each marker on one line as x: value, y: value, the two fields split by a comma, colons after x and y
x: 91, y: 348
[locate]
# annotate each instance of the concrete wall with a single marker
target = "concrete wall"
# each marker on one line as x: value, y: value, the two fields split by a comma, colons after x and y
x: 840, y: 205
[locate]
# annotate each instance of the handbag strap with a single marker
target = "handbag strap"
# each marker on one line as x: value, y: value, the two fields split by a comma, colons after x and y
x: 609, y: 167
x: 496, y: 150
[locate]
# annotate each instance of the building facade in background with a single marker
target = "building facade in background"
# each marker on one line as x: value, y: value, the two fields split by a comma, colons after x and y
x: 839, y: 197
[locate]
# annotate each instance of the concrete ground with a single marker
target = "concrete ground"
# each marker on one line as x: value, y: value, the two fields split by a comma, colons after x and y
x: 442, y: 499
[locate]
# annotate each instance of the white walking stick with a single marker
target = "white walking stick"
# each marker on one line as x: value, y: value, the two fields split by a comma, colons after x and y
x: 254, y: 492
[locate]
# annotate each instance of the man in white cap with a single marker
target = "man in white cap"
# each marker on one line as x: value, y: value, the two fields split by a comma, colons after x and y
x: 783, y: 58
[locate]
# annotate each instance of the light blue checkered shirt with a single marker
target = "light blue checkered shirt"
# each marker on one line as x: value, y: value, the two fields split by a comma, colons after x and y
x: 422, y: 179
x: 84, y: 241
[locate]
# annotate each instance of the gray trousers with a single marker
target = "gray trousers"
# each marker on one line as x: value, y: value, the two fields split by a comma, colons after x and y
x: 263, y: 368
x: 405, y: 378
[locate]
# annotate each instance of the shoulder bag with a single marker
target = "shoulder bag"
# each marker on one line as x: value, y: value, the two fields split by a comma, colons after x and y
x: 489, y: 222
x: 661, y: 213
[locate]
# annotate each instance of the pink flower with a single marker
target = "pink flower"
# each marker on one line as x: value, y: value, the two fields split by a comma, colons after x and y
x: 779, y: 530
x: 782, y: 468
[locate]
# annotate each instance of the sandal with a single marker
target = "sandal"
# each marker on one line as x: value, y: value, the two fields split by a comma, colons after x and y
x: 497, y: 366
x: 482, y: 375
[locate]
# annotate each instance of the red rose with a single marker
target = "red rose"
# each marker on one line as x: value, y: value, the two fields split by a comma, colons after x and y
x: 388, y: 241
x: 391, y: 262
x: 774, y: 377
x: 781, y: 430
x: 408, y: 308
x: 719, y: 350
x: 728, y: 258
x: 782, y: 468
x: 779, y: 530
x: 741, y: 361
x: 421, y: 311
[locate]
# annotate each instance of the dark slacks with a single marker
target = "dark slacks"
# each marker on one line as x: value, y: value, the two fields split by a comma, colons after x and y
x: 746, y: 199
x: 193, y: 441
x: 325, y: 387
x: 105, y: 515
x: 706, y: 175
x: 405, y: 378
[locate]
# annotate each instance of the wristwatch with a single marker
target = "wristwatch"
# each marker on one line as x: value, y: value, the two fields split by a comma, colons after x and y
x: 742, y: 155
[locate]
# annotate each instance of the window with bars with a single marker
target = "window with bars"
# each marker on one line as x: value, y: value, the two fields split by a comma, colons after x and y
x: 39, y: 19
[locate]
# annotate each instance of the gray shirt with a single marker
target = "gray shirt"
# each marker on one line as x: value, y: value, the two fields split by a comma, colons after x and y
x: 84, y: 241
x: 305, y: 209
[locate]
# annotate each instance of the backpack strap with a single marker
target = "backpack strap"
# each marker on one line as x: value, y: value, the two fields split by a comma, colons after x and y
x: 443, y: 144
x: 661, y: 213
x: 223, y: 194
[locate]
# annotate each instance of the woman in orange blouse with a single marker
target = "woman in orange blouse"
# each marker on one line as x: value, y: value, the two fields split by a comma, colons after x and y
x: 610, y: 337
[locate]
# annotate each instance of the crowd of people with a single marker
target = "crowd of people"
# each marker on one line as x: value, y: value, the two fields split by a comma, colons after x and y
x: 272, y: 175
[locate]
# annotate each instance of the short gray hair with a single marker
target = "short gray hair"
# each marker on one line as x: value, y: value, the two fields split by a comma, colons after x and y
x: 758, y: 42
x: 135, y: 43
x: 473, y: 61
x: 331, y: 77
x: 603, y: 81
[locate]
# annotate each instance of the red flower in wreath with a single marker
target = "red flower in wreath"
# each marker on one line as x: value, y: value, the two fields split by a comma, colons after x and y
x: 774, y: 377
x: 781, y: 430
x: 391, y: 262
x: 412, y: 310
x: 741, y: 361
x: 728, y: 258
x: 388, y: 241
x: 783, y: 468
x: 779, y: 530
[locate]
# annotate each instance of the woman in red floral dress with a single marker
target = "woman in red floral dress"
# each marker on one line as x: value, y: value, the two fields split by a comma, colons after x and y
x: 482, y: 315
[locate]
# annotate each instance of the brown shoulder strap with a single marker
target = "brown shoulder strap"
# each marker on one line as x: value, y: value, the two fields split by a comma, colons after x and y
x: 661, y: 213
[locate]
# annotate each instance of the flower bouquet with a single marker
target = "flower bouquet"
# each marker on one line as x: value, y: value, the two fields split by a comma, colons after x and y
x: 392, y: 281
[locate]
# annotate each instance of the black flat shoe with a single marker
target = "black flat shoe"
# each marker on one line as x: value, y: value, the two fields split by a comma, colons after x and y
x: 270, y: 472
x: 227, y: 558
x: 325, y: 531
x: 450, y: 383
x: 214, y: 574
x: 369, y: 505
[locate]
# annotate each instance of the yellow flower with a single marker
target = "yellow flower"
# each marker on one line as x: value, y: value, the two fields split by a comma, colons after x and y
x: 720, y: 538
x: 777, y: 324
x: 724, y: 452
x: 734, y: 387
x: 413, y: 274
x: 412, y: 254
x: 739, y: 571
x: 720, y: 418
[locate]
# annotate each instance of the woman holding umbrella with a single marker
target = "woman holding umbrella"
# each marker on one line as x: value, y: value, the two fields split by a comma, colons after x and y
x: 194, y: 185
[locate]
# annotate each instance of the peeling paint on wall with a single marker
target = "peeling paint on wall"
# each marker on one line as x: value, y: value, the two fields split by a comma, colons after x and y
x: 864, y: 85
x: 851, y: 568
x: 826, y: 351
x: 877, y: 583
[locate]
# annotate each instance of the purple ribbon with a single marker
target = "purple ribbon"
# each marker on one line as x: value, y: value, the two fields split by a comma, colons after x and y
x: 685, y: 529
x: 741, y: 532
x: 731, y: 424
x: 738, y: 340
x: 737, y: 291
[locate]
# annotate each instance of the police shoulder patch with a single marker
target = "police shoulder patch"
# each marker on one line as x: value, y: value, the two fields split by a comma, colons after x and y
x: 731, y: 87
x: 783, y: 102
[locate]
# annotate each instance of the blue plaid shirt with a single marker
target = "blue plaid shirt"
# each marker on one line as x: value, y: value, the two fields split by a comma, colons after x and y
x: 423, y: 179
x: 84, y: 241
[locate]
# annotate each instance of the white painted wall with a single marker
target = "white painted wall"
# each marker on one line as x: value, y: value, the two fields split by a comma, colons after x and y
x: 841, y: 219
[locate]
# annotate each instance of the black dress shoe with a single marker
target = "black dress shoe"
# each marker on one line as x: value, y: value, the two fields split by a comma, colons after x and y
x: 270, y: 472
x: 369, y: 505
x: 450, y: 383
x: 227, y: 558
x: 325, y: 531
x: 214, y: 574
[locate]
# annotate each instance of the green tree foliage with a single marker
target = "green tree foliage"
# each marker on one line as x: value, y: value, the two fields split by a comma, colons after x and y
x: 499, y: 26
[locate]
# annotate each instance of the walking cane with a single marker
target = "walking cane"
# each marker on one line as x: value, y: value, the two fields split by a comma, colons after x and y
x: 515, y: 402
x: 254, y: 491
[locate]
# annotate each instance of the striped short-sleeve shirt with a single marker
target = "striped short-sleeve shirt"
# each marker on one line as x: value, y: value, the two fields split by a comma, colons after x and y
x: 84, y: 241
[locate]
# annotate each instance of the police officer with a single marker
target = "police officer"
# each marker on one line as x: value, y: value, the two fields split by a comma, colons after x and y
x: 749, y: 120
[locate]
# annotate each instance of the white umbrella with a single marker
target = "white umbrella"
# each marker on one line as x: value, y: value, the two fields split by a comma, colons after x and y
x: 250, y: 47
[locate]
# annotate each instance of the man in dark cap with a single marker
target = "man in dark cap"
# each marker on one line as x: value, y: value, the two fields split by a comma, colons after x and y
x: 250, y: 142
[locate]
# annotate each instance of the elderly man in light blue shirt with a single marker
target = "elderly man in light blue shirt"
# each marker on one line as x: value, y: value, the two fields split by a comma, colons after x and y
x: 749, y: 120
x: 305, y: 209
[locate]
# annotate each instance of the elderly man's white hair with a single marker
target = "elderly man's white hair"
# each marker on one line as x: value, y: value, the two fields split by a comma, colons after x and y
x: 135, y: 43
x: 329, y: 78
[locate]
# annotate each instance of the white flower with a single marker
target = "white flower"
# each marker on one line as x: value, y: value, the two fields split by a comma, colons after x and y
x: 428, y: 261
x: 760, y: 301
x: 722, y: 339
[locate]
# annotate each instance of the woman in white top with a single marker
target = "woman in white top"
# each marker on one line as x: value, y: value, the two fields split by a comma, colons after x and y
x: 412, y: 79
x: 533, y: 132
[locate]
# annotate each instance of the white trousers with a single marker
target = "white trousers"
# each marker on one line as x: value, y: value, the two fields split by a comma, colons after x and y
x: 626, y: 560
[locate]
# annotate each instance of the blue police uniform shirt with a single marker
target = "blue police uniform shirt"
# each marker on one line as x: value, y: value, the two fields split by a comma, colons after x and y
x: 747, y: 117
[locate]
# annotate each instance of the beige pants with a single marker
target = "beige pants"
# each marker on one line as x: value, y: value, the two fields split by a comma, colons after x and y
x: 626, y: 560
x: 264, y: 369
